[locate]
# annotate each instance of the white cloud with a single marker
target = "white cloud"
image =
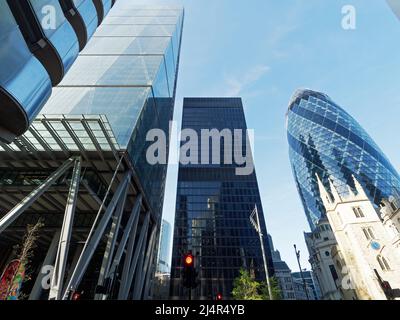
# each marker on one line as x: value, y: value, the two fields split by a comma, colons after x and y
x: 237, y: 84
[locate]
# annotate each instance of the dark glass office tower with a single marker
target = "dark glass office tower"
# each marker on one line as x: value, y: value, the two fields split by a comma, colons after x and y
x: 325, y: 140
x: 213, y: 207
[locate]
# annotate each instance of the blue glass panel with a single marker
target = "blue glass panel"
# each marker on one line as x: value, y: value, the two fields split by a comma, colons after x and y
x: 62, y: 37
x: 127, y: 45
x: 171, y: 68
x: 18, y: 68
x: 160, y: 85
x: 88, y: 12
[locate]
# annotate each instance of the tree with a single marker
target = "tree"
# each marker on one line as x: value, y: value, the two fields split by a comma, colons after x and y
x: 247, y: 288
x: 275, y: 288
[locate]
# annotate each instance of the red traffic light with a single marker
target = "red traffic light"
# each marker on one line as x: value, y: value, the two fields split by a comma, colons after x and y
x: 219, y: 296
x: 76, y: 296
x: 189, y: 260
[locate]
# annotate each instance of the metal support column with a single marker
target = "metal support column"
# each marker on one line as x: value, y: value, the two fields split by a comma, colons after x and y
x: 15, y: 212
x: 93, y: 241
x: 48, y: 261
x: 57, y: 280
x: 153, y: 263
x: 74, y: 262
x: 112, y: 239
x: 130, y: 264
x: 129, y: 232
x: 139, y: 283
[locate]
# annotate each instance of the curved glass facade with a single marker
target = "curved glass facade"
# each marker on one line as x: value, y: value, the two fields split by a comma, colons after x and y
x: 20, y: 97
x: 62, y: 37
x: 325, y: 140
x: 82, y: 16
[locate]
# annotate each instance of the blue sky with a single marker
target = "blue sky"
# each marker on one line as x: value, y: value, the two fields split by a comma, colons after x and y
x: 262, y: 51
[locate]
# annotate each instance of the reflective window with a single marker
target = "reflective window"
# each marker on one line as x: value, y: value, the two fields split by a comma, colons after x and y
x: 213, y: 206
x: 120, y: 105
x: 127, y: 45
x: 141, y: 20
x: 113, y: 70
x: 135, y: 30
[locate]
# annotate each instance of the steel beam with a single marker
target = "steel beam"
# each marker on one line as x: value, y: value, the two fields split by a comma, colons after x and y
x: 48, y: 261
x: 11, y: 216
x: 112, y: 239
x: 142, y: 273
x: 130, y: 265
x: 129, y: 232
x: 93, y: 240
x: 92, y: 193
x: 153, y: 263
x: 57, y: 280
x: 75, y: 258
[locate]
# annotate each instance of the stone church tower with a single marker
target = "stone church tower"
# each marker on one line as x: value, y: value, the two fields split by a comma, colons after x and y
x: 366, y: 251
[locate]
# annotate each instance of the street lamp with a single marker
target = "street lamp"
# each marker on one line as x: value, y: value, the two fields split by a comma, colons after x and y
x: 255, y: 221
x: 301, y: 271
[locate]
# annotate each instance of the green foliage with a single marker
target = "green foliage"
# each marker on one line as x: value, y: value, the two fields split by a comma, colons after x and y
x: 246, y: 288
x: 276, y: 290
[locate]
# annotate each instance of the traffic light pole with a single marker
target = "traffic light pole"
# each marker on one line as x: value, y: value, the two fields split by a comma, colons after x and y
x: 264, y: 257
x: 189, y: 273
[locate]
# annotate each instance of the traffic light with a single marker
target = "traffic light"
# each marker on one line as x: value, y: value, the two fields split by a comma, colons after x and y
x: 76, y: 296
x: 189, y: 274
x: 189, y: 260
x: 219, y: 297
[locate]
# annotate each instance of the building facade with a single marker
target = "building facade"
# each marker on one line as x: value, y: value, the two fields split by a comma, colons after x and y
x: 300, y: 291
x: 214, y: 203
x: 390, y: 216
x: 313, y: 290
x: 163, y: 260
x: 365, y: 252
x: 82, y: 164
x: 42, y: 40
x: 282, y: 273
x: 320, y: 244
x: 325, y: 140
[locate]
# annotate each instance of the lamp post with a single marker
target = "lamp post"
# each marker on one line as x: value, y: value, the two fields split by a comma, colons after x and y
x: 255, y: 221
x: 301, y: 271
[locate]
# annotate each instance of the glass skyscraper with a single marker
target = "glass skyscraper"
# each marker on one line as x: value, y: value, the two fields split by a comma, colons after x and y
x: 325, y: 140
x: 213, y: 207
x: 82, y: 162
x: 128, y: 72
